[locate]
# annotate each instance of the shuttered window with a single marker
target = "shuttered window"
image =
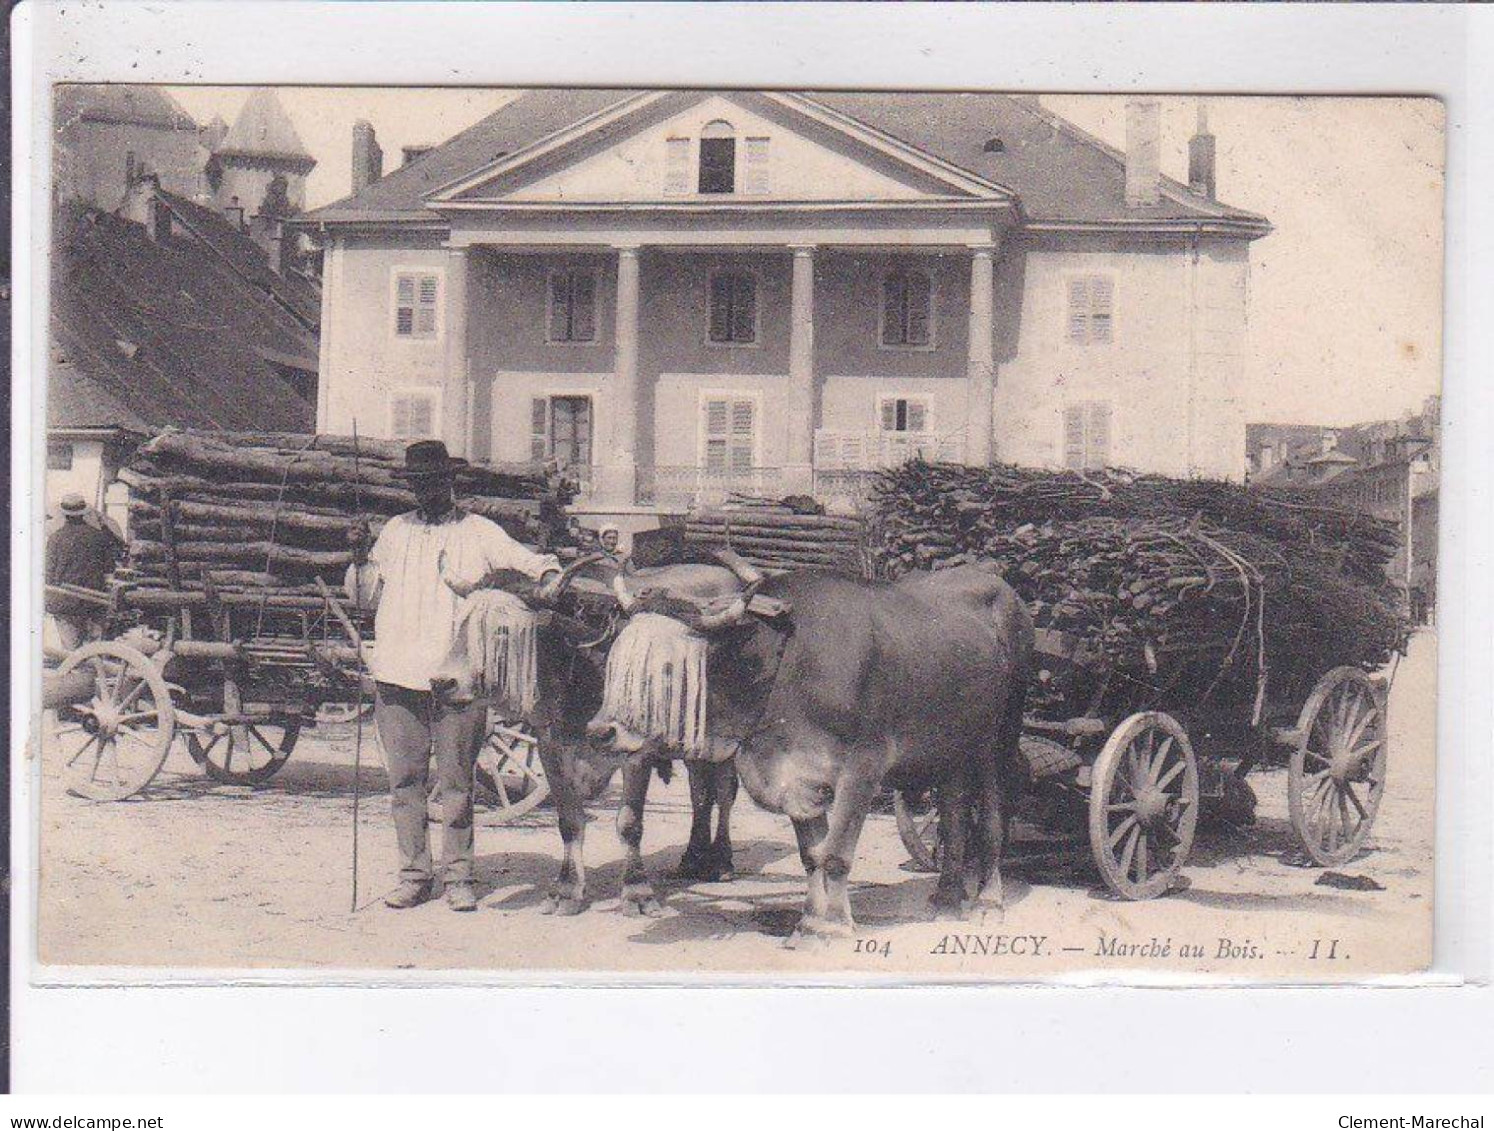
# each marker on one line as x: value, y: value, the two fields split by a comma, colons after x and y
x: 733, y: 308
x: 539, y: 429
x: 573, y: 306
x: 1086, y: 436
x: 755, y: 181
x: 730, y: 428
x: 412, y: 415
x: 907, y: 314
x: 901, y: 414
x: 1091, y: 309
x: 677, y: 166
x: 415, y: 297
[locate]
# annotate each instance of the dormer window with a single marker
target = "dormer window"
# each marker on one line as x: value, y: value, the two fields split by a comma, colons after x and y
x: 718, y: 158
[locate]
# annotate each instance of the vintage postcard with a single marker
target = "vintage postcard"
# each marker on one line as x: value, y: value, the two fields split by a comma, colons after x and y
x: 755, y: 533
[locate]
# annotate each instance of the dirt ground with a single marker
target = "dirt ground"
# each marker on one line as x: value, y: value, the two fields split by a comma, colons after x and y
x: 194, y: 874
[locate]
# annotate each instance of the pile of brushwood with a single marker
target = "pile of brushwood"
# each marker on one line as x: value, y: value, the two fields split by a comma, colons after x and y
x: 1195, y: 593
x: 259, y: 517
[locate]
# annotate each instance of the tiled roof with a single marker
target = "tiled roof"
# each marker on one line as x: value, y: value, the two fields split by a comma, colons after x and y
x: 120, y: 102
x: 148, y: 334
x: 1060, y: 173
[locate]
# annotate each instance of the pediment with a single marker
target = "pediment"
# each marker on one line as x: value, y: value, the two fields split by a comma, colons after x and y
x: 649, y: 149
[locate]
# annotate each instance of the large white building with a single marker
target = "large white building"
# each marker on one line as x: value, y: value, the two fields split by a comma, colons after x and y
x: 686, y: 293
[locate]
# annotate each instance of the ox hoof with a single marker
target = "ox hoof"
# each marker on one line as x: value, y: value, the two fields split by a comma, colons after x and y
x: 640, y: 901
x: 558, y: 903
x: 696, y: 867
x: 948, y: 908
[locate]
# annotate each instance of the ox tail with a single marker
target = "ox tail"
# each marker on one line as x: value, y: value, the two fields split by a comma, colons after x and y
x: 656, y: 684
x: 495, y: 651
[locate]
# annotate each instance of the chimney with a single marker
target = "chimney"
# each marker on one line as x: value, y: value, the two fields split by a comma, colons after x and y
x: 1201, y: 156
x: 288, y: 243
x: 1143, y: 152
x: 234, y: 211
x: 368, y: 158
x: 415, y: 152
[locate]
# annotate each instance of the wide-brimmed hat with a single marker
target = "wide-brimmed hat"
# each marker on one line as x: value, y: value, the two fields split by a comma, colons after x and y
x: 428, y: 459
x: 73, y: 503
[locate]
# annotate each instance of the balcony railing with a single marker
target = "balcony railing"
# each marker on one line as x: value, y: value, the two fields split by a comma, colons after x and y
x: 680, y: 488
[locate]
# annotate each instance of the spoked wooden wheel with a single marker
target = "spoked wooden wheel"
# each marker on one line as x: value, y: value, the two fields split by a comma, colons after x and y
x: 509, y: 772
x: 1143, y: 805
x: 245, y: 754
x: 1337, y: 774
x: 918, y: 825
x: 114, y: 744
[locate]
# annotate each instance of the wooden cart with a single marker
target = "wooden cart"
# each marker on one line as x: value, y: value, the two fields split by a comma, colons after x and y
x: 1138, y: 783
x: 237, y: 677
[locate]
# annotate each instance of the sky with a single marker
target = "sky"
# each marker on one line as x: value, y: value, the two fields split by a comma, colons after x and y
x: 1345, y: 294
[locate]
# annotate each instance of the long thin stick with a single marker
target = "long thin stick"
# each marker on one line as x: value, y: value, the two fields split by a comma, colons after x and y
x: 362, y: 668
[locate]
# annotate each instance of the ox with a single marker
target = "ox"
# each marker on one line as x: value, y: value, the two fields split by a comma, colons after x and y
x: 915, y: 684
x: 569, y: 647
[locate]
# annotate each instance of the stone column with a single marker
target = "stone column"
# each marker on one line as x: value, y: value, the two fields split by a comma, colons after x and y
x: 619, y: 463
x: 456, y: 397
x: 798, y: 471
x: 980, y: 368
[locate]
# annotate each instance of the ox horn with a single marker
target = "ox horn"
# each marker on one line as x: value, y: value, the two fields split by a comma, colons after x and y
x: 562, y: 583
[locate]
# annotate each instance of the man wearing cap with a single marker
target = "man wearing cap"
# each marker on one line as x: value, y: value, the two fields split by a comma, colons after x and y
x: 417, y: 575
x: 82, y: 555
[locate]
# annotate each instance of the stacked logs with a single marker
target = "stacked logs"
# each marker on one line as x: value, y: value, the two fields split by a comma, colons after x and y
x: 1199, y: 589
x: 260, y: 517
x: 776, y: 536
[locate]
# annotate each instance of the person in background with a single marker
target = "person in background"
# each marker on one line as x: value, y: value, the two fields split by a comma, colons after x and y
x: 609, y: 538
x: 416, y: 576
x: 81, y: 555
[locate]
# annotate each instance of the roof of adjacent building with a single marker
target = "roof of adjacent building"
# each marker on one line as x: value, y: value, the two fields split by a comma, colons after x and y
x: 120, y: 102
x: 264, y: 129
x: 1061, y: 174
x: 248, y: 258
x: 148, y: 334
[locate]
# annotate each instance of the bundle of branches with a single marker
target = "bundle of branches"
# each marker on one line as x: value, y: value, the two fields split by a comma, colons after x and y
x: 266, y: 514
x: 944, y: 499
x: 1207, y: 592
x: 781, y: 536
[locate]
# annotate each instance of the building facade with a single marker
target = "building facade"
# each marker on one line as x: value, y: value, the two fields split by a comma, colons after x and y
x: 683, y: 294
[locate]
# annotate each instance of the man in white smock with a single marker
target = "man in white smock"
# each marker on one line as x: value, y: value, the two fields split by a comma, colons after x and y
x: 417, y: 575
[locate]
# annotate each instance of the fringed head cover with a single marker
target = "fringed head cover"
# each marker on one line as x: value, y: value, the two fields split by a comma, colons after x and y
x: 656, y: 683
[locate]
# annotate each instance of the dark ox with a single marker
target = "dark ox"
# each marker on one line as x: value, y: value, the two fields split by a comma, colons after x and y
x: 570, y: 652
x: 913, y: 684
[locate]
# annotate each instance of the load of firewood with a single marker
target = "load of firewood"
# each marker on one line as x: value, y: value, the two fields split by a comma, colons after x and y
x: 780, y: 535
x: 1196, y: 588
x: 271, y: 513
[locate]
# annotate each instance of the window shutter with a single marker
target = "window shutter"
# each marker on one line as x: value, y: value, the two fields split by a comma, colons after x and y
x: 1097, y: 441
x: 1101, y: 297
x: 717, y: 414
x: 421, y: 413
x: 720, y: 308
x: 425, y: 319
x: 744, y: 309
x: 920, y: 293
x: 583, y: 306
x: 559, y: 308
x: 889, y: 415
x: 917, y: 416
x: 677, y: 166
x: 401, y: 418
x: 412, y: 416
x: 404, y: 301
x: 893, y: 298
x: 1078, y: 310
x: 539, y: 428
x: 755, y: 180
x: 743, y: 432
x: 1073, y: 437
